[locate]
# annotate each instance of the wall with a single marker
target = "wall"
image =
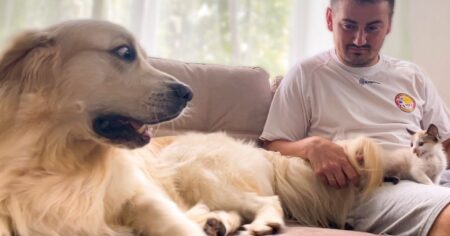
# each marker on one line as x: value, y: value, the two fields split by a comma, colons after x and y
x: 421, y: 34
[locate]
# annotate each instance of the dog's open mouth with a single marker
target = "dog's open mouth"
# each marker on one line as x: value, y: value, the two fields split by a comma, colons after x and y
x: 122, y: 130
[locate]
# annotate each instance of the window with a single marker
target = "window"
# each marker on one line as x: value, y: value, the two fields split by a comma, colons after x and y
x: 235, y: 32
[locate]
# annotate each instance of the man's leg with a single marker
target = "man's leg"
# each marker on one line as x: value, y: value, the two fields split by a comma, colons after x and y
x: 407, y: 208
x: 445, y: 178
x: 442, y: 224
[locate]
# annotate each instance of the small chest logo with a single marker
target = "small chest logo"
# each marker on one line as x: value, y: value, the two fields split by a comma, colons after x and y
x: 405, y: 102
x: 363, y: 81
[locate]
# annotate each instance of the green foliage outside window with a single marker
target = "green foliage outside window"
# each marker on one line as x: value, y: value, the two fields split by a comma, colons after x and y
x: 235, y: 32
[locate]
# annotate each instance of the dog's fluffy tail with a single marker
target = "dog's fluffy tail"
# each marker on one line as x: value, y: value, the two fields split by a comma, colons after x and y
x: 364, y: 155
x: 309, y: 201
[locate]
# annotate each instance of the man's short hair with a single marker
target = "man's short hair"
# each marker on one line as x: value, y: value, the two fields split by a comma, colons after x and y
x: 333, y: 3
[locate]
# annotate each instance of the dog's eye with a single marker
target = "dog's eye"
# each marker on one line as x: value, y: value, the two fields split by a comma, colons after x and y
x: 125, y: 52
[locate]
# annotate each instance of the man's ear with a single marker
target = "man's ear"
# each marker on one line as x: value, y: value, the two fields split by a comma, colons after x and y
x: 20, y: 48
x: 329, y: 18
x: 389, y: 26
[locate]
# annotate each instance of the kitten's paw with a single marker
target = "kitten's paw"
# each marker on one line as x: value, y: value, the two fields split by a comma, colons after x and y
x: 214, y: 227
x: 392, y: 179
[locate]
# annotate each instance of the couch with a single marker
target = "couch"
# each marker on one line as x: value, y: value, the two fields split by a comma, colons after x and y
x: 235, y: 99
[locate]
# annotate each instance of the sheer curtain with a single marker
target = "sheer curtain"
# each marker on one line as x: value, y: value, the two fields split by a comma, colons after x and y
x: 235, y: 32
x: 273, y: 34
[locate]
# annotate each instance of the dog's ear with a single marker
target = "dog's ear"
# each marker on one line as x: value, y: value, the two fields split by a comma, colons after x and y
x: 20, y: 49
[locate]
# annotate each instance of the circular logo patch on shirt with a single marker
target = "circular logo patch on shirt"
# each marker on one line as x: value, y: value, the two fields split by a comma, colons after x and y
x: 405, y: 102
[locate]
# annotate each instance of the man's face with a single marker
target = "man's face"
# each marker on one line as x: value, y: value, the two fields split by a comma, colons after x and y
x: 359, y: 30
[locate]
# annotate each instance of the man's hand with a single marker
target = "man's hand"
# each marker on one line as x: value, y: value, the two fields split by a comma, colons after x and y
x: 329, y: 162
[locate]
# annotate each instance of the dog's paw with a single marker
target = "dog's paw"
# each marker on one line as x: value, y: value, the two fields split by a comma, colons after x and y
x: 214, y: 227
x: 5, y: 233
x: 262, y: 228
x: 4, y: 229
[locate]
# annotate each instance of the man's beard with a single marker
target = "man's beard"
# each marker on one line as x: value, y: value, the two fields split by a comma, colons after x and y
x: 359, y: 59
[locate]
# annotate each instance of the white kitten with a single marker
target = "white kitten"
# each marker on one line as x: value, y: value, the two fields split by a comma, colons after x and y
x: 424, y: 162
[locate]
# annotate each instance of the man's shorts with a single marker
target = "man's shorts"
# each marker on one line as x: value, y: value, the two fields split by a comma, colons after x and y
x: 407, y: 208
x: 445, y: 179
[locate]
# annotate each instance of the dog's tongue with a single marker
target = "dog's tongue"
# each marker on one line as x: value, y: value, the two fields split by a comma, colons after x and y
x: 142, y: 129
x: 136, y: 125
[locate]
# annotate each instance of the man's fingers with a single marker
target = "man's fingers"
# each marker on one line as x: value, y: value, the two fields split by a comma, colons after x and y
x: 332, y: 181
x: 340, y: 178
x: 350, y: 173
x: 360, y: 159
x: 324, y: 179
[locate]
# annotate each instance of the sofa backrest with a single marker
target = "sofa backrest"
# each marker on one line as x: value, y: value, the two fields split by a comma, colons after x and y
x: 234, y: 99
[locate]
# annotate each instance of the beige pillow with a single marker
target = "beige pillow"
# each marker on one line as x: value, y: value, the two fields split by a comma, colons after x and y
x: 234, y: 99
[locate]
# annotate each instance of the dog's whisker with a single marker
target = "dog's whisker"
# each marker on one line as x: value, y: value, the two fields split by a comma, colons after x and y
x: 372, y: 170
x: 155, y: 132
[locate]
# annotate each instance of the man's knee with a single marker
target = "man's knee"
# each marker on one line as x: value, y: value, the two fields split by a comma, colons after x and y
x: 441, y: 225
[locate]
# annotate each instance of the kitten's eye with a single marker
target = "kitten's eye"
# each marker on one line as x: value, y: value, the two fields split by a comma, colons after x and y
x: 411, y: 144
x: 421, y: 144
x: 125, y: 53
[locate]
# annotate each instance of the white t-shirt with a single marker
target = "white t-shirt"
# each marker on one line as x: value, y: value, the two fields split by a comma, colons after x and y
x: 323, y: 97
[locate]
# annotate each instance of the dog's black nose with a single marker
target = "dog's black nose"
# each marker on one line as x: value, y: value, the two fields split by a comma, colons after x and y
x: 182, y: 91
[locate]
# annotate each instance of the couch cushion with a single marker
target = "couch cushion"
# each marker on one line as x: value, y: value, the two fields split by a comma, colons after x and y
x: 294, y: 230
x: 234, y: 99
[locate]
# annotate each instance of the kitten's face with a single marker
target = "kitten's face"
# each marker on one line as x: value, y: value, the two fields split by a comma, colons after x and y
x: 423, y: 142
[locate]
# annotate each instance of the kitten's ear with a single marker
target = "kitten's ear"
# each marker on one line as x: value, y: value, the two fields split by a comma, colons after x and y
x: 433, y: 131
x: 410, y: 131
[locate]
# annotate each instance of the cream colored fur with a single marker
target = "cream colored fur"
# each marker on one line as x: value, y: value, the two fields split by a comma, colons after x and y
x: 57, y: 177
x: 219, y: 174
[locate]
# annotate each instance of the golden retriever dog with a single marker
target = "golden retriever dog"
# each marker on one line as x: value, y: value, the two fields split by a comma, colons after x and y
x: 230, y: 183
x: 74, y: 100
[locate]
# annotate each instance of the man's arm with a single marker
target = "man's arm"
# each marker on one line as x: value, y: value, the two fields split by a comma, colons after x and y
x: 328, y: 160
x: 446, y: 145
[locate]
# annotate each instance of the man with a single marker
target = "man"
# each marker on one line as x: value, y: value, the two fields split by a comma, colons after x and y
x: 352, y: 90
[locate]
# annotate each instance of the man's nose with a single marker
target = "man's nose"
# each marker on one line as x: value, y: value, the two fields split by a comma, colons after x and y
x: 360, y: 38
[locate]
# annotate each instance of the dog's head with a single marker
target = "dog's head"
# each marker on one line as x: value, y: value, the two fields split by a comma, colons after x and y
x: 90, y: 79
